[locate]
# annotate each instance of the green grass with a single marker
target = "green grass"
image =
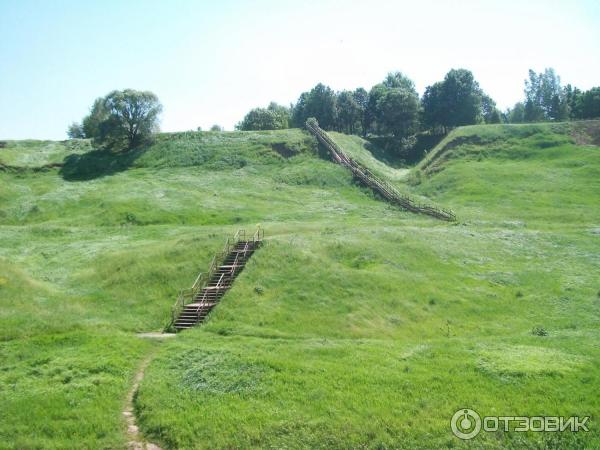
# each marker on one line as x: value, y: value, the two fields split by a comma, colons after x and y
x: 356, y: 325
x: 31, y: 154
x: 364, y: 152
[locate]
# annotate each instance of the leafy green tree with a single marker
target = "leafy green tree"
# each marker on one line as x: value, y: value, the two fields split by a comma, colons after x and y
x: 320, y: 103
x: 544, y: 98
x: 361, y: 97
x: 462, y: 98
x: 397, y: 80
x: 274, y: 117
x: 122, y: 118
x: 216, y: 127
x: 516, y: 114
x: 457, y: 100
x: 75, y: 131
x: 574, y: 99
x: 398, y: 112
x: 433, y: 107
x: 393, y: 106
x: 349, y: 113
x: 91, y: 122
x: 490, y: 113
x: 283, y: 114
x: 371, y: 112
x: 258, y: 119
x: 590, y: 108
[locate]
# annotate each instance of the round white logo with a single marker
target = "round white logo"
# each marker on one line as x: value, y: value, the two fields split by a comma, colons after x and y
x: 465, y: 424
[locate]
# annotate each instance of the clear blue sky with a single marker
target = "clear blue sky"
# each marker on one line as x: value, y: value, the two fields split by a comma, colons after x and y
x: 211, y: 61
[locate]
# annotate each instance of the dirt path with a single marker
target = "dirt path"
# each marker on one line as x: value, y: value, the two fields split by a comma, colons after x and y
x: 135, y: 439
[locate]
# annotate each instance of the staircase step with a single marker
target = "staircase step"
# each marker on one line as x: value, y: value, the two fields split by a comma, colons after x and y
x: 220, y: 281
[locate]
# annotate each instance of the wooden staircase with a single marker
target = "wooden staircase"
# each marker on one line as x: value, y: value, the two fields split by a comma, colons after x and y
x: 379, y: 185
x: 193, y: 305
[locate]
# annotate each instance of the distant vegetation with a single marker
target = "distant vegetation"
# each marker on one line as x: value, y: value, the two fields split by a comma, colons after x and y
x: 273, y: 117
x: 391, y: 114
x: 393, y: 108
x: 546, y: 100
x: 121, y: 120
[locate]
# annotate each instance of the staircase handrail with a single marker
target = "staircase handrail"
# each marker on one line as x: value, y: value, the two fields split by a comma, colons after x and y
x: 188, y: 295
x: 202, y: 302
x: 386, y: 189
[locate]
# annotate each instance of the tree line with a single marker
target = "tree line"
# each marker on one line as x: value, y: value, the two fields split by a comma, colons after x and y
x: 546, y: 100
x: 393, y: 107
x: 390, y: 109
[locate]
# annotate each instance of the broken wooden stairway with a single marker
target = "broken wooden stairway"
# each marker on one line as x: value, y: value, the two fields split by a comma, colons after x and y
x: 194, y: 304
x: 379, y: 185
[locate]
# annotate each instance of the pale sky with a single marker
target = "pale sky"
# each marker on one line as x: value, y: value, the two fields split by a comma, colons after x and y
x: 211, y: 62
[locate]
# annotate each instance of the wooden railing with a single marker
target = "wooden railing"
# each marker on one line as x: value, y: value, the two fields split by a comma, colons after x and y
x: 189, y: 295
x: 384, y: 188
x: 186, y: 296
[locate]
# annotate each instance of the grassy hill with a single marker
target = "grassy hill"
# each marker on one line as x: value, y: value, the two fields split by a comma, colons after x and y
x: 356, y: 326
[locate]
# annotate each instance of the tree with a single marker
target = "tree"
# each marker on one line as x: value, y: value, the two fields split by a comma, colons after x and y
x: 258, y: 119
x: 434, y: 112
x: 590, y: 108
x: 574, y: 99
x: 122, y: 118
x: 516, y: 114
x: 490, y: 113
x: 371, y: 112
x: 349, y: 113
x: 544, y: 98
x: 397, y: 80
x: 216, y: 127
x: 393, y: 106
x: 319, y: 103
x: 274, y: 117
x: 91, y: 122
x: 361, y: 97
x: 75, y: 131
x: 461, y: 98
x: 283, y: 115
x: 398, y: 112
x: 457, y: 100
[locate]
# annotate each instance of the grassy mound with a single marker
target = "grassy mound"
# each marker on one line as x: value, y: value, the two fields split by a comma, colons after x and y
x: 355, y: 326
x: 513, y: 173
x: 367, y: 154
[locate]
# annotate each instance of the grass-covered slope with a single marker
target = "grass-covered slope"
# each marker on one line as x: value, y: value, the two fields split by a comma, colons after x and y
x: 547, y: 173
x: 369, y: 155
x: 355, y: 326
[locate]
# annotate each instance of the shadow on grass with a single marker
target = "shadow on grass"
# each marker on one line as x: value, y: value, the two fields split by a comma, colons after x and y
x: 392, y: 152
x: 98, y: 163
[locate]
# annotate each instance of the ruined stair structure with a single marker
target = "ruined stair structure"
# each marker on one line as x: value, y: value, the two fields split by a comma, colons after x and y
x: 193, y: 305
x: 385, y: 189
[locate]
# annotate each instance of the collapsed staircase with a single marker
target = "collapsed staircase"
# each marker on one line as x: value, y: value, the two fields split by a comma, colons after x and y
x: 385, y: 189
x: 194, y: 304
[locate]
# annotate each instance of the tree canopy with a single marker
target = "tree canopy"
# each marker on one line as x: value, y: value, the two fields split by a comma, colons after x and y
x: 393, y: 106
x: 121, y: 119
x: 274, y: 117
x: 392, y: 109
x: 320, y: 103
x: 457, y: 100
x: 546, y: 100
